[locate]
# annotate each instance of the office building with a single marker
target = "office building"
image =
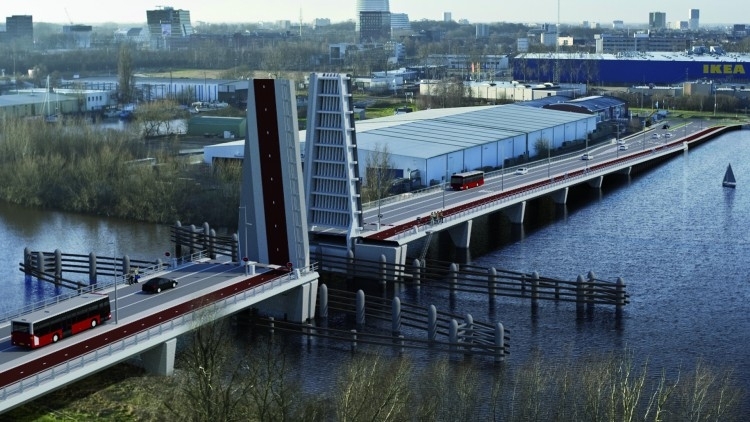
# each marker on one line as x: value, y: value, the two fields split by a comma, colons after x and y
x: 19, y: 28
x: 168, y: 27
x: 447, y: 17
x: 369, y: 6
x: 374, y: 27
x: 693, y: 19
x: 657, y: 20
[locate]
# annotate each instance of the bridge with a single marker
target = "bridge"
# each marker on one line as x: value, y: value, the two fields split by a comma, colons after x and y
x: 269, y: 269
x: 402, y: 226
x: 148, y: 324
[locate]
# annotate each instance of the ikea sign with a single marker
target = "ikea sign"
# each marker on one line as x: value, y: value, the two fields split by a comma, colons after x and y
x: 723, y: 69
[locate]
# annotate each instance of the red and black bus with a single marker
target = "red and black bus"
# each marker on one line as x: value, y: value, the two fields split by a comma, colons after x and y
x: 63, y: 319
x: 467, y: 180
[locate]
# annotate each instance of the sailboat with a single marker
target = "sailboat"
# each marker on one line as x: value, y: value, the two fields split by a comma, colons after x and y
x: 729, y: 181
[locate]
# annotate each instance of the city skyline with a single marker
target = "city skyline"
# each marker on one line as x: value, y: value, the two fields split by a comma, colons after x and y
x: 479, y: 11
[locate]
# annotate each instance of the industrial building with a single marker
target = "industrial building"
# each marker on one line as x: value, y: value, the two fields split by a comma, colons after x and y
x: 633, y: 68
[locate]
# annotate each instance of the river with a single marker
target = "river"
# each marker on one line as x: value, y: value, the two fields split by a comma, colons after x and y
x: 678, y: 238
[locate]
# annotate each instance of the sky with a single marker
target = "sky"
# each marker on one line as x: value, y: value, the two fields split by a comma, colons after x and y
x: 475, y: 11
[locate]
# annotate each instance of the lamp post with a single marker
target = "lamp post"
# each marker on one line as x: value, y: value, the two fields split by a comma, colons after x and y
x: 380, y: 199
x: 445, y: 183
x: 502, y: 172
x: 114, y: 271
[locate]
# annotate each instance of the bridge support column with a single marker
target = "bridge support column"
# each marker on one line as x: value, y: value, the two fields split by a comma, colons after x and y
x: 626, y: 171
x: 561, y: 196
x: 160, y: 359
x: 596, y: 182
x: 515, y: 213
x: 295, y: 305
x: 461, y: 234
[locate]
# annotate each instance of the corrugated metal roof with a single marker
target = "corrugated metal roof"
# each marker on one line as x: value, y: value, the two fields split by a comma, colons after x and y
x: 430, y: 133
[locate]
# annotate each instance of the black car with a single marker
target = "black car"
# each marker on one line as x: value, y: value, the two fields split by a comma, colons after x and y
x: 157, y: 284
x: 666, y: 126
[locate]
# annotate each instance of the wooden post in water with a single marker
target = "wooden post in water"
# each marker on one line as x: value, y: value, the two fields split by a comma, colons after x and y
x: 534, y: 290
x: 58, y: 266
x: 383, y: 270
x: 417, y: 272
x: 354, y: 341
x: 590, y: 291
x: 492, y: 283
x: 620, y: 288
x: 453, y: 278
x: 323, y: 302
x: 360, y: 311
x: 499, y: 342
x: 431, y: 323
x: 468, y: 333
x: 92, y: 268
x: 396, y: 316
x: 453, y: 335
x: 580, y: 295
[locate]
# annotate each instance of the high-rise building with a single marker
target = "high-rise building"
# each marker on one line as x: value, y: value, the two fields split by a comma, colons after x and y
x: 19, y: 28
x: 447, y: 17
x: 167, y: 26
x: 374, y: 27
x: 693, y: 19
x: 657, y: 20
x: 370, y: 6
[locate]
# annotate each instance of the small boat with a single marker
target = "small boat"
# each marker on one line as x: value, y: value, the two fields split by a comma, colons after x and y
x: 729, y: 181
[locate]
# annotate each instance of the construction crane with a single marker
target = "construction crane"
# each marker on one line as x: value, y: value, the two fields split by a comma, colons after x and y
x: 66, y: 14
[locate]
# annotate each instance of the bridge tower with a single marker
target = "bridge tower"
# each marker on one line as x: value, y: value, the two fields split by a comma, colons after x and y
x: 331, y: 171
x: 272, y: 214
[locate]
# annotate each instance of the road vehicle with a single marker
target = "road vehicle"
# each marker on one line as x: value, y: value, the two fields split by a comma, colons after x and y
x: 522, y: 170
x: 587, y: 156
x: 157, y: 284
x: 63, y: 319
x: 622, y: 147
x: 467, y: 180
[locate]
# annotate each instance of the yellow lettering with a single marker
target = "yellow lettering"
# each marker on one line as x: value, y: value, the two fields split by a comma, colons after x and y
x: 705, y: 68
x: 739, y: 69
x: 715, y: 68
x: 727, y: 69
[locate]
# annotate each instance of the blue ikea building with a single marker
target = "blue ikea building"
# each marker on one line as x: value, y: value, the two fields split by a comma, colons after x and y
x: 657, y: 68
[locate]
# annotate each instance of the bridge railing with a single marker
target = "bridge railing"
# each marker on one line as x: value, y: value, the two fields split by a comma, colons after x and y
x: 106, y: 283
x: 478, y: 206
x: 196, y: 315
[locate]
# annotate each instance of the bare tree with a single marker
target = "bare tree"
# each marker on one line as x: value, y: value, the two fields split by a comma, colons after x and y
x: 378, y: 174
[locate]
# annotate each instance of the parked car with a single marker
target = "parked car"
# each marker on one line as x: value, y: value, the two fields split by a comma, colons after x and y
x: 587, y: 156
x: 157, y: 284
x: 622, y: 147
x: 522, y: 170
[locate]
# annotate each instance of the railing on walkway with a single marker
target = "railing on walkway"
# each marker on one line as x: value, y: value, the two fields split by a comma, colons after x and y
x: 200, y: 312
x: 63, y: 263
x: 399, y: 231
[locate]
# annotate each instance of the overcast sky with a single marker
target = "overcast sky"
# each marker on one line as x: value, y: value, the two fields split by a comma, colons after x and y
x: 248, y: 11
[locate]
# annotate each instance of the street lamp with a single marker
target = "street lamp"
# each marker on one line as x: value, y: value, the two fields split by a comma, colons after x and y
x: 114, y: 271
x: 445, y: 183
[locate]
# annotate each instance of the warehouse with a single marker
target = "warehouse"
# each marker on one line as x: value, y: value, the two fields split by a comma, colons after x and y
x: 633, y: 68
x: 439, y: 142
